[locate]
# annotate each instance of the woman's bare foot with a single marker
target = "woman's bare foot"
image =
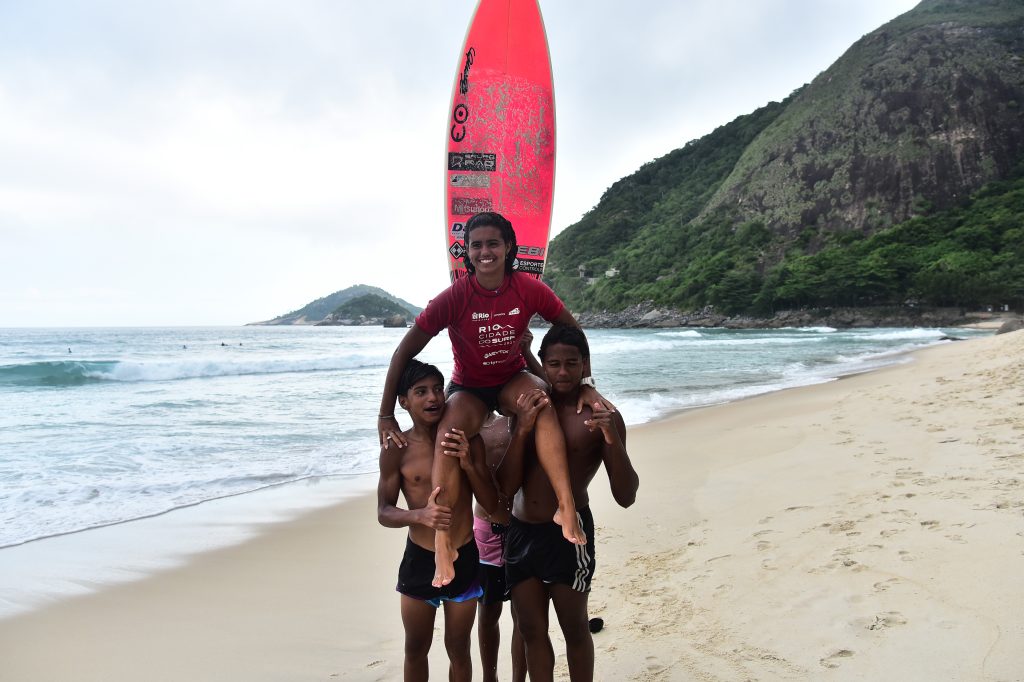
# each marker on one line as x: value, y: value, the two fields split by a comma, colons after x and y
x: 571, y: 530
x: 444, y: 561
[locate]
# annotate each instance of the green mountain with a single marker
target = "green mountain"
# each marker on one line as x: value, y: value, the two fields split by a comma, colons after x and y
x: 370, y: 305
x: 911, y: 122
x: 321, y: 308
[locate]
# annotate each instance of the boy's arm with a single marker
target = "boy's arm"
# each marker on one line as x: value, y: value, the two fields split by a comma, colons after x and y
x: 411, y: 344
x: 389, y: 484
x: 532, y: 363
x: 473, y: 460
x: 621, y: 475
x: 510, y: 470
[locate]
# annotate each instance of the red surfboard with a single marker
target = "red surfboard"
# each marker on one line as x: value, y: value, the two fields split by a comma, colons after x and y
x: 501, y: 131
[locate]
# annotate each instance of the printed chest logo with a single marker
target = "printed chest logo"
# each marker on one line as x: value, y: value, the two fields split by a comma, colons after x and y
x: 496, y: 335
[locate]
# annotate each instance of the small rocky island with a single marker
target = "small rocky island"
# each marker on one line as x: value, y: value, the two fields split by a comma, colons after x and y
x: 368, y: 310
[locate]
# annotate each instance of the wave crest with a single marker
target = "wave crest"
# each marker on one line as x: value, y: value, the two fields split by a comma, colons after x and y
x: 75, y: 373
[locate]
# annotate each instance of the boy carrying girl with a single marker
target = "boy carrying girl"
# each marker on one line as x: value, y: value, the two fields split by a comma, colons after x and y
x: 408, y: 469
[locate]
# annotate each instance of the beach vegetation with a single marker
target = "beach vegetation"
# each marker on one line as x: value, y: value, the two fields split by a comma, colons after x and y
x: 893, y: 177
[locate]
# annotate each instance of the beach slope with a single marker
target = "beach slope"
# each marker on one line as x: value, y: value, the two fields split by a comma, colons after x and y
x: 868, y: 528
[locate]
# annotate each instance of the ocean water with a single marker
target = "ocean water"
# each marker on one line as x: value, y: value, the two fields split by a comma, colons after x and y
x: 104, y: 426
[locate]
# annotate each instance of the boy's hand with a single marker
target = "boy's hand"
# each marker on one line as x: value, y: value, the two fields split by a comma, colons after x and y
x: 435, y: 515
x: 389, y: 432
x: 525, y: 341
x: 602, y: 419
x: 528, y: 406
x: 590, y: 396
x: 459, y: 444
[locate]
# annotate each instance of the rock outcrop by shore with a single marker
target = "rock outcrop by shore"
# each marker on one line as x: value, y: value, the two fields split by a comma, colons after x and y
x: 647, y: 315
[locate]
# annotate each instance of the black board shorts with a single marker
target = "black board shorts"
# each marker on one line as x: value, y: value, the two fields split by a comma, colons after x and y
x: 538, y: 550
x: 488, y: 395
x: 416, y: 572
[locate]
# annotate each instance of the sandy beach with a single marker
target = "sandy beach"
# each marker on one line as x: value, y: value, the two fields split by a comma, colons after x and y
x: 870, y: 528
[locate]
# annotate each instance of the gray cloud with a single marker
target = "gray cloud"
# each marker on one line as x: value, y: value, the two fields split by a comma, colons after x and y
x: 247, y: 157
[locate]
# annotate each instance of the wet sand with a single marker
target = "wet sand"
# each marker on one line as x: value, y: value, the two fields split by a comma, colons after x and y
x: 868, y: 528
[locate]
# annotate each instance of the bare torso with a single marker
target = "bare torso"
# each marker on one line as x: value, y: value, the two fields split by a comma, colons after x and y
x: 496, y: 435
x: 536, y: 502
x: 417, y: 461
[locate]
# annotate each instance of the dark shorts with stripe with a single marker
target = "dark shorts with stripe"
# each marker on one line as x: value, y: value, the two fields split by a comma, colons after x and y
x: 538, y: 550
x: 417, y: 571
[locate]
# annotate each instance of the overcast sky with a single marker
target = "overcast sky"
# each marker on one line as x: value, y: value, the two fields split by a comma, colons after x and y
x: 219, y: 162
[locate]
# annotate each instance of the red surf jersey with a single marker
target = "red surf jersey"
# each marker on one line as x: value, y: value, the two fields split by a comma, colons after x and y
x: 485, y: 326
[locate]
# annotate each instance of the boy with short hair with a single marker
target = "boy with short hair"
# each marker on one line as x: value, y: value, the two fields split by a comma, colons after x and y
x: 408, y: 469
x: 489, y: 529
x: 540, y: 567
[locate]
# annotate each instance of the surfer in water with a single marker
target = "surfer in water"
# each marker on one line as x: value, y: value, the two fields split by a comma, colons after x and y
x: 486, y: 313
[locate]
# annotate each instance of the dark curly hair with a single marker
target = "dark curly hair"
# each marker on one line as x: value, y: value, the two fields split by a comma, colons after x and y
x: 492, y: 219
x: 570, y: 336
x: 416, y: 371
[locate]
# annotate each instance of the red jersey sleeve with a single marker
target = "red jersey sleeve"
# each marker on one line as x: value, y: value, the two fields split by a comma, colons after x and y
x: 540, y: 297
x: 438, y: 314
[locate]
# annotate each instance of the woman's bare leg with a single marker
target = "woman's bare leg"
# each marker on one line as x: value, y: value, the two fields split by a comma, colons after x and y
x: 550, y: 453
x: 466, y: 412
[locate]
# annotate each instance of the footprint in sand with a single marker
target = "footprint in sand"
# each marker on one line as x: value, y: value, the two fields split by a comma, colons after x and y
x: 654, y: 665
x: 887, y: 620
x: 906, y: 556
x: 884, y: 585
x: 832, y: 660
x: 840, y: 526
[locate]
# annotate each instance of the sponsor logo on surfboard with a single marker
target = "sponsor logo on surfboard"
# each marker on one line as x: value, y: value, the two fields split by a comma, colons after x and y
x: 457, y: 230
x: 531, y: 250
x: 464, y: 81
x: 457, y: 250
x: 472, y: 161
x: 470, y: 205
x: 460, y: 114
x: 470, y: 180
x: 527, y: 265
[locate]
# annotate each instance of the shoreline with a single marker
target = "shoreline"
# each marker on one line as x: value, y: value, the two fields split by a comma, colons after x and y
x: 648, y: 315
x: 853, y: 526
x: 285, y: 500
x: 189, y: 531
x: 50, y: 569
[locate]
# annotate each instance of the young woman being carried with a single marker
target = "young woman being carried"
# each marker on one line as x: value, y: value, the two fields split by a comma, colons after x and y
x: 486, y: 314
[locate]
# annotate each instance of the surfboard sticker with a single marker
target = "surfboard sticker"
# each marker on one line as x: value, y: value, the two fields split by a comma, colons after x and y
x: 501, y: 131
